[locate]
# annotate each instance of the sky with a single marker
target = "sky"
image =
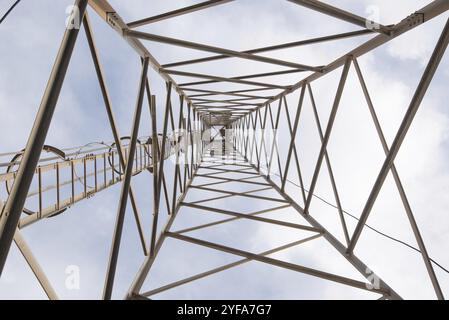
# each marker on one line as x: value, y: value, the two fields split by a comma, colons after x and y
x: 82, y: 235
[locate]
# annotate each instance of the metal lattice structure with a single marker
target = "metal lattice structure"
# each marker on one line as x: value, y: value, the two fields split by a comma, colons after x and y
x: 252, y: 157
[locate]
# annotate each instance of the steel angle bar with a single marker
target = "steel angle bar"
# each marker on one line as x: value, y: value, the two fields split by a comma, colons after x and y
x: 177, y: 13
x: 222, y: 79
x: 113, y: 19
x: 16, y: 200
x: 227, y: 194
x: 108, y: 105
x: 231, y: 219
x: 246, y: 216
x: 276, y: 47
x: 343, y: 15
x: 203, y: 47
x: 400, y: 187
x: 415, y: 103
x: 293, y: 135
x: 354, y: 260
x: 425, y: 14
x: 242, y: 194
x: 161, y: 169
x: 295, y: 153
x: 328, y: 131
x: 115, y: 248
x: 243, y: 171
x: 275, y: 126
x: 329, y: 167
x: 177, y: 169
x: 35, y: 266
x: 227, y: 266
x: 279, y: 263
x: 242, y: 180
x: 138, y: 281
x: 256, y: 75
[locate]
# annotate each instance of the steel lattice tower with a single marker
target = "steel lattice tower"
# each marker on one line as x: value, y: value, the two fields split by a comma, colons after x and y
x: 249, y: 159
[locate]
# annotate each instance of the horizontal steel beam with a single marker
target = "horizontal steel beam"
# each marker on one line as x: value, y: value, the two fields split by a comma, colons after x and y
x: 249, y: 76
x: 244, y: 180
x: 214, y: 223
x: 242, y: 194
x: 249, y: 217
x: 211, y: 108
x: 222, y: 79
x: 342, y: 15
x: 177, y: 13
x: 354, y: 260
x: 428, y: 12
x: 204, y: 104
x: 275, y: 47
x: 216, y: 93
x: 279, y: 263
x: 113, y: 19
x: 243, y: 171
x: 202, y: 47
x: 229, y: 92
x: 138, y: 281
x: 227, y: 266
x: 234, y: 100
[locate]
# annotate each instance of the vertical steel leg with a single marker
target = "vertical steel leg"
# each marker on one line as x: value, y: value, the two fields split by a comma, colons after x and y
x: 109, y: 283
x: 19, y: 192
x: 154, y: 156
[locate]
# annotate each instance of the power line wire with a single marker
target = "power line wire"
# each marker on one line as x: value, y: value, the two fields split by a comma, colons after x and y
x: 367, y: 225
x: 314, y: 195
x: 9, y: 11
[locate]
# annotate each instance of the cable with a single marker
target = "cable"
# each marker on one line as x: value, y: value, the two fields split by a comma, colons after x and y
x: 9, y: 11
x: 367, y: 225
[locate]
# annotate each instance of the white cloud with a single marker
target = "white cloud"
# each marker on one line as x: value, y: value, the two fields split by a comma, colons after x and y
x: 34, y: 32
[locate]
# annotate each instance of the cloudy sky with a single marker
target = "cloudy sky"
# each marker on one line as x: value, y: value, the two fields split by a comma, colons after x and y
x: 82, y: 235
